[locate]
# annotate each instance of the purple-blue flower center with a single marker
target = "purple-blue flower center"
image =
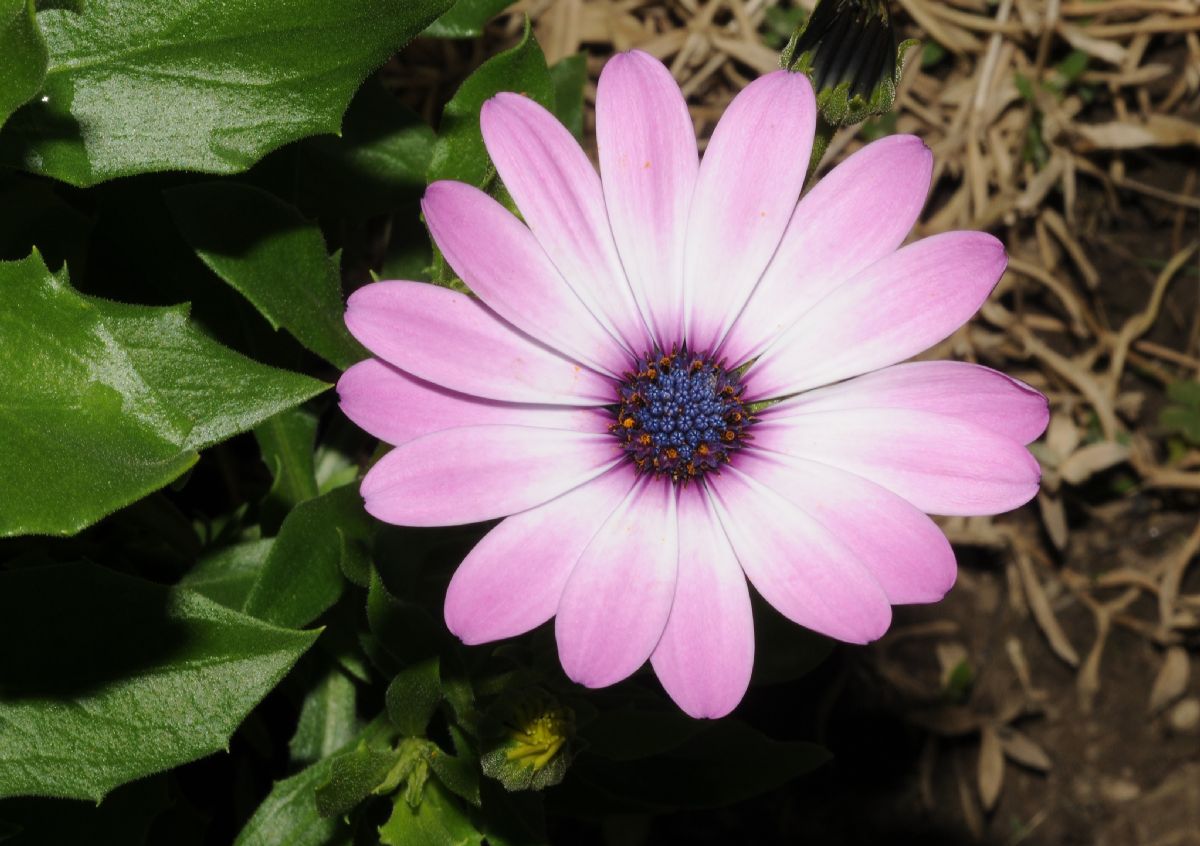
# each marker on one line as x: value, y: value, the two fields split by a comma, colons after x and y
x: 680, y: 415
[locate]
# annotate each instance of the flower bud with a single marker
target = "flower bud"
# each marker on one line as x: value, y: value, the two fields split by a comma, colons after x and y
x: 848, y: 49
x: 531, y: 746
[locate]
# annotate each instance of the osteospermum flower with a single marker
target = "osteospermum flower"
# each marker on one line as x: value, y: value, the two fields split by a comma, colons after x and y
x: 674, y: 378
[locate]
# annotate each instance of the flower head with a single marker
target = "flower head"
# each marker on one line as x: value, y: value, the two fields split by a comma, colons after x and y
x: 675, y: 378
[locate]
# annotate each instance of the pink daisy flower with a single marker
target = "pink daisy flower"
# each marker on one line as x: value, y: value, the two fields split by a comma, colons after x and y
x: 605, y: 392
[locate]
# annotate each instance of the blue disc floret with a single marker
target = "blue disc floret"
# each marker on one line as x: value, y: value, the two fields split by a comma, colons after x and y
x: 680, y: 415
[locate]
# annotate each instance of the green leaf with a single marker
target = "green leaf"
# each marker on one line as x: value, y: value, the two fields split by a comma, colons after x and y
x: 569, y: 75
x: 227, y: 575
x: 24, y: 54
x: 354, y: 776
x: 109, y: 678
x: 271, y: 255
x: 784, y: 651
x: 287, y: 442
x: 377, y: 163
x: 328, y: 719
x: 459, y: 153
x: 409, y: 253
x: 1068, y: 71
x: 459, y: 773
x: 512, y: 819
x: 122, y: 819
x: 1183, y: 420
x: 404, y: 628
x: 625, y: 734
x: 34, y: 213
x: 302, y: 576
x: 1183, y: 415
x: 289, y: 816
x: 160, y: 85
x: 466, y: 18
x: 413, y: 696
x: 723, y: 763
x: 1185, y: 393
x: 436, y: 821
x: 102, y: 403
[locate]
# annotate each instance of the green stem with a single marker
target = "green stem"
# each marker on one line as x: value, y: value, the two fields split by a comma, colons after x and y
x: 821, y: 141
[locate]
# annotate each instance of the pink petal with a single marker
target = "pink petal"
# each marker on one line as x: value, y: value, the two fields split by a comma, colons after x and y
x: 559, y: 195
x: 969, y: 392
x: 512, y: 580
x: 706, y: 652
x: 806, y: 572
x: 904, y: 550
x: 858, y: 214
x: 501, y: 261
x: 479, y: 473
x: 616, y: 603
x: 648, y: 165
x: 451, y: 339
x: 896, y: 308
x: 396, y: 407
x: 750, y: 178
x: 940, y: 464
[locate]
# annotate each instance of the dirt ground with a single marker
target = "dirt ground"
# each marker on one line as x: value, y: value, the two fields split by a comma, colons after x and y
x: 1054, y: 697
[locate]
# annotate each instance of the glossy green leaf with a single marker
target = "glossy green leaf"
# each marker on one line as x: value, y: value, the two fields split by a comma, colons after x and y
x: 157, y: 85
x: 109, y: 678
x: 302, y: 576
x: 328, y: 719
x: 413, y: 696
x: 437, y: 821
x: 569, y: 75
x: 102, y: 403
x: 459, y: 153
x: 376, y: 164
x: 226, y: 575
x: 265, y: 250
x: 24, y: 54
x: 466, y: 18
x: 287, y: 442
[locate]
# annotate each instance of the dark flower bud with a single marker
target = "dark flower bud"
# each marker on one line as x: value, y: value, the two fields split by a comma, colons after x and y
x: 848, y: 49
